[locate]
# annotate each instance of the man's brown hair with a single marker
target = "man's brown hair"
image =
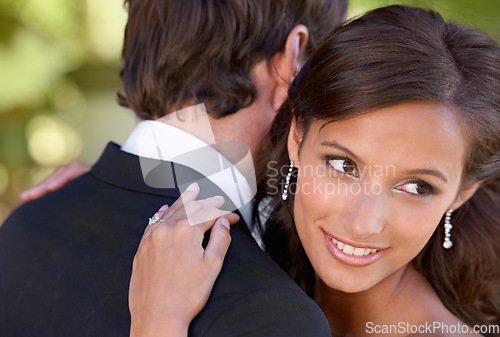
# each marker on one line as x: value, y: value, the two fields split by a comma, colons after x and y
x: 192, y: 51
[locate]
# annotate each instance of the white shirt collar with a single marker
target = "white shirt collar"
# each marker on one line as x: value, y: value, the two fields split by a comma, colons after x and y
x: 161, y: 141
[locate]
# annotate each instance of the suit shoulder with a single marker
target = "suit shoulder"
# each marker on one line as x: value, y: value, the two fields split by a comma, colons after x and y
x: 254, y: 269
x: 274, y: 311
x: 50, y: 205
x: 253, y: 296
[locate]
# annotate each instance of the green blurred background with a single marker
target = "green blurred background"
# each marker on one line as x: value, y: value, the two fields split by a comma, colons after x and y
x: 59, y: 65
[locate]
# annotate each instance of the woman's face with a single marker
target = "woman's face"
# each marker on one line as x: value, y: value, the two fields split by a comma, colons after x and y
x: 372, y: 189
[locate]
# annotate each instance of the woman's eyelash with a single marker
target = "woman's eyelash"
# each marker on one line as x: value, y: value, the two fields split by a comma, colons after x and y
x: 343, y: 165
x: 418, y: 188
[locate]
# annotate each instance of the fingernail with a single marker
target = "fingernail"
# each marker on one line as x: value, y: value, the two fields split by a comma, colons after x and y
x: 224, y: 222
x: 219, y: 197
x: 163, y: 208
x: 192, y: 187
x: 26, y: 194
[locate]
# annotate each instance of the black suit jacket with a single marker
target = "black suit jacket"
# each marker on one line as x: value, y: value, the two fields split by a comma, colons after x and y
x: 66, y: 261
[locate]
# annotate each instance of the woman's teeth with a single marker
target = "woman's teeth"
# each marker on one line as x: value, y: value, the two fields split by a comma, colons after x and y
x: 350, y: 250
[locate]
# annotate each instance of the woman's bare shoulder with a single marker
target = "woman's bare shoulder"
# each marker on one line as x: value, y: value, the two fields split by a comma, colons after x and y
x: 438, y: 320
x: 445, y: 324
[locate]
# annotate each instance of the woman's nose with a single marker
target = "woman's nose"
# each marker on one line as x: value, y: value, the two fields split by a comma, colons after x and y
x: 366, y: 215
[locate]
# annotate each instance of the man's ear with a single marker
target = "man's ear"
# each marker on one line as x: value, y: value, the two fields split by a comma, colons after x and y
x: 286, y: 64
x: 465, y: 194
x: 294, y: 141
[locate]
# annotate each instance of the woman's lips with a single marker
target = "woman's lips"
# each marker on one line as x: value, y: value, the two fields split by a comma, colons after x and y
x: 350, y: 254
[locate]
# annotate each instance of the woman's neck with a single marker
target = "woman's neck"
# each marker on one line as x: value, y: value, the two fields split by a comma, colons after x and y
x: 404, y: 297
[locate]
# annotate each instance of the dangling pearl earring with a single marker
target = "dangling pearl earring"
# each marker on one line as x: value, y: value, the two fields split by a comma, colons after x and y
x: 284, y: 196
x: 447, y: 228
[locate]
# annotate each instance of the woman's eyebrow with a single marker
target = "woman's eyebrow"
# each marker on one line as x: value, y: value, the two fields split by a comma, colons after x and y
x: 431, y: 172
x: 336, y: 145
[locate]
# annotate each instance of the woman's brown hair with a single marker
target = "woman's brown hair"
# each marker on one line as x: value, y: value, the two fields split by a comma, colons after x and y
x: 390, y: 56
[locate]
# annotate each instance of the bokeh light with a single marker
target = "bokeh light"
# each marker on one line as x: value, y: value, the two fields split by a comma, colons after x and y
x: 104, y: 26
x: 4, y: 179
x: 52, y: 142
x: 28, y: 77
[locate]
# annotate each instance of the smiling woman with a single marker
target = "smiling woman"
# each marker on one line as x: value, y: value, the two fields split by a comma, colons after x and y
x: 397, y: 219
x: 396, y: 88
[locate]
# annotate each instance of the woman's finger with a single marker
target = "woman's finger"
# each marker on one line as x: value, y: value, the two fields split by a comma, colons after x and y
x: 41, y: 188
x: 189, y: 194
x: 204, y: 219
x: 189, y: 209
x: 166, y: 212
x: 57, y: 179
x: 218, y: 244
x: 67, y: 173
x: 149, y: 228
x: 186, y: 211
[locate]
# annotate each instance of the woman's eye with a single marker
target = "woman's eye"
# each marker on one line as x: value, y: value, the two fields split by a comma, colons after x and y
x: 417, y: 188
x: 345, y: 166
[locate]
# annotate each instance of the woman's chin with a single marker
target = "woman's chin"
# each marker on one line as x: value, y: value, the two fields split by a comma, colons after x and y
x: 349, y: 284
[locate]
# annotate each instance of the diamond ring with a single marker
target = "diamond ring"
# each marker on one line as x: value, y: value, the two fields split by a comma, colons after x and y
x: 155, y: 220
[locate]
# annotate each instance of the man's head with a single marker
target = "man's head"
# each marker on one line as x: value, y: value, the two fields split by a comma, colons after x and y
x: 179, y: 53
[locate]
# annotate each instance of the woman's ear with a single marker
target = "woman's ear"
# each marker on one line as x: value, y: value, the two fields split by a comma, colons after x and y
x: 465, y: 194
x: 294, y: 141
x: 287, y: 64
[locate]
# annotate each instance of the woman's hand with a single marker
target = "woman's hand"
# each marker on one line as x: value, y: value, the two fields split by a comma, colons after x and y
x: 57, y: 179
x: 172, y: 274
